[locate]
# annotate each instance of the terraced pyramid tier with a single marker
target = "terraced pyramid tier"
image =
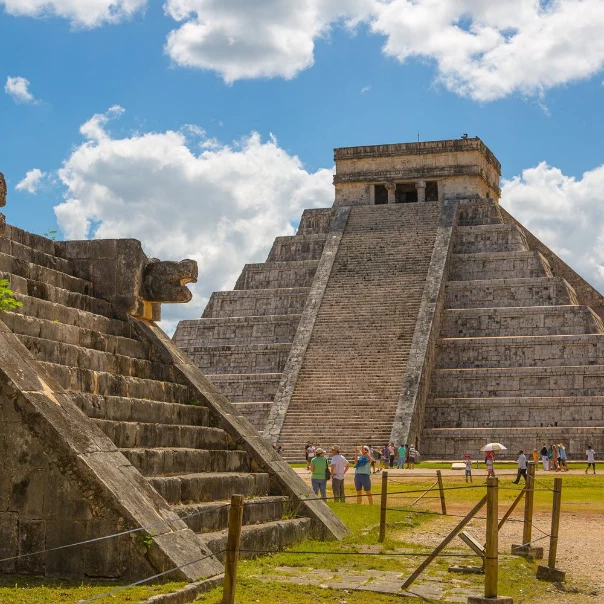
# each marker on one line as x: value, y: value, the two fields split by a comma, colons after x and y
x: 107, y: 426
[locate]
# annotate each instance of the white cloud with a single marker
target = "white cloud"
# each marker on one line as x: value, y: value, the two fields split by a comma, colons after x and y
x: 265, y: 38
x: 482, y: 50
x: 222, y: 205
x: 488, y: 50
x: 81, y: 13
x: 566, y: 213
x: 18, y: 89
x: 365, y: 89
x: 32, y: 181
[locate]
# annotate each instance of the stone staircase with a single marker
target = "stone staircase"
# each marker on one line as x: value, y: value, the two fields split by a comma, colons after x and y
x: 244, y: 337
x: 349, y: 382
x: 137, y: 397
x: 519, y: 360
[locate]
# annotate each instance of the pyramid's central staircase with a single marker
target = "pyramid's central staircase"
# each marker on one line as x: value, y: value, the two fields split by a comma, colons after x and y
x: 108, y: 427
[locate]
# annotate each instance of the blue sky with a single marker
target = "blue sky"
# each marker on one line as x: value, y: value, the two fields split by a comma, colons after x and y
x: 168, y: 96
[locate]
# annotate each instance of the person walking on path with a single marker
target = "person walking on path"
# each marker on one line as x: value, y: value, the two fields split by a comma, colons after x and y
x: 339, y: 467
x: 310, y: 453
x: 521, y: 467
x: 391, y: 453
x: 591, y: 458
x: 489, y: 460
x: 544, y: 457
x: 318, y: 478
x: 468, y: 462
x: 362, y: 473
x: 402, y: 454
x: 411, y: 455
x: 563, y: 467
x: 385, y: 456
x: 555, y: 457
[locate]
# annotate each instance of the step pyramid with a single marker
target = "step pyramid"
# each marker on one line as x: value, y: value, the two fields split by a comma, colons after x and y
x: 416, y: 309
x: 108, y: 427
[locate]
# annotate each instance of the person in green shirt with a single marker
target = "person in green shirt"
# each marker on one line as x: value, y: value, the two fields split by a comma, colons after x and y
x: 318, y: 466
x: 402, y: 454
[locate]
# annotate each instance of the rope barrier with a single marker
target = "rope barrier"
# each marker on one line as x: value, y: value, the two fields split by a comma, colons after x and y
x: 147, y: 579
x: 383, y: 554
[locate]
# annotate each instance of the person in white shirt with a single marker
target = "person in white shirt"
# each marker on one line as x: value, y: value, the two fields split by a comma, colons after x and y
x: 591, y: 458
x: 521, y: 467
x: 339, y: 467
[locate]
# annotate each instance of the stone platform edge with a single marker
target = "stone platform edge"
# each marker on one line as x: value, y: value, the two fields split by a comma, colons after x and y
x: 81, y: 487
x: 224, y: 415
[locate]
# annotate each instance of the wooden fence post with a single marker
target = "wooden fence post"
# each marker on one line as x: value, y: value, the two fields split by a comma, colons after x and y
x: 550, y: 572
x: 526, y: 549
x: 232, y: 549
x: 441, y: 489
x: 491, y: 567
x: 383, y: 506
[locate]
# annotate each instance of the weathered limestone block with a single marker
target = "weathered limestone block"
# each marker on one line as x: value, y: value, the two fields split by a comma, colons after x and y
x: 275, y: 275
x: 519, y: 321
x: 245, y: 303
x: 489, y: 238
x: 196, y: 334
x: 479, y: 213
x: 526, y: 351
x: 505, y: 412
x: 247, y: 387
x: 297, y: 247
x: 498, y: 265
x: 315, y: 221
x: 494, y: 293
x: 256, y: 358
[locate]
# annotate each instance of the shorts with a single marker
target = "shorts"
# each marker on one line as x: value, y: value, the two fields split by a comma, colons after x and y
x: 468, y: 472
x: 362, y: 482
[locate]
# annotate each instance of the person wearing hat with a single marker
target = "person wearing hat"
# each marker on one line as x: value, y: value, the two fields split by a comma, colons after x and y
x: 339, y: 467
x: 318, y: 478
x: 362, y: 473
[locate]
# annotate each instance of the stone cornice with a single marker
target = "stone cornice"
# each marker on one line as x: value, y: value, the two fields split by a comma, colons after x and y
x: 401, y: 149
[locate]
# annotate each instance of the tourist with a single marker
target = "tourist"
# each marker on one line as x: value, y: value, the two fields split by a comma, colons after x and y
x: 521, y: 467
x: 468, y: 462
x: 339, y: 467
x: 591, y: 458
x: 490, y: 460
x: 279, y: 450
x: 535, y: 455
x: 550, y: 457
x: 544, y: 458
x: 411, y: 455
x: 362, y: 473
x: 318, y: 478
x: 310, y: 454
x: 391, y: 453
x: 385, y: 456
x: 563, y: 458
x: 375, y: 455
x: 402, y: 456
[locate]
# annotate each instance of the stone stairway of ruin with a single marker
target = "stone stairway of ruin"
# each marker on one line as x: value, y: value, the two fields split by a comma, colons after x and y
x: 520, y: 360
x: 137, y: 397
x: 244, y: 336
x: 350, y: 379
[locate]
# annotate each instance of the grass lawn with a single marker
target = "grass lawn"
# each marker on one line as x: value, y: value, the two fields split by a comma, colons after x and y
x: 269, y: 579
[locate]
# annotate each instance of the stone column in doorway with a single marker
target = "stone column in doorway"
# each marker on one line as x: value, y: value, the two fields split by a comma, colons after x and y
x: 420, y: 186
x: 391, y: 187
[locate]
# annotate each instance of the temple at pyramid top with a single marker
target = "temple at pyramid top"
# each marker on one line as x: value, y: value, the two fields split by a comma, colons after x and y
x: 409, y: 172
x: 414, y: 310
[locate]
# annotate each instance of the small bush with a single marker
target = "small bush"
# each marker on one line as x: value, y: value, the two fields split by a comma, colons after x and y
x: 7, y: 297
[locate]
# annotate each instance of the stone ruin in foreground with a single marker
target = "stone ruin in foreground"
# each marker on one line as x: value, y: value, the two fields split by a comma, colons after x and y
x: 416, y: 309
x: 107, y: 427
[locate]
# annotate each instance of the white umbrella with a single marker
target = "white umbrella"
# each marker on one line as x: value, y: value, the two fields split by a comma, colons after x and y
x: 494, y: 447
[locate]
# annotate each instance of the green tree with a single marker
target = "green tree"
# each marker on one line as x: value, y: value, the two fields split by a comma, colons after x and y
x: 7, y: 297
